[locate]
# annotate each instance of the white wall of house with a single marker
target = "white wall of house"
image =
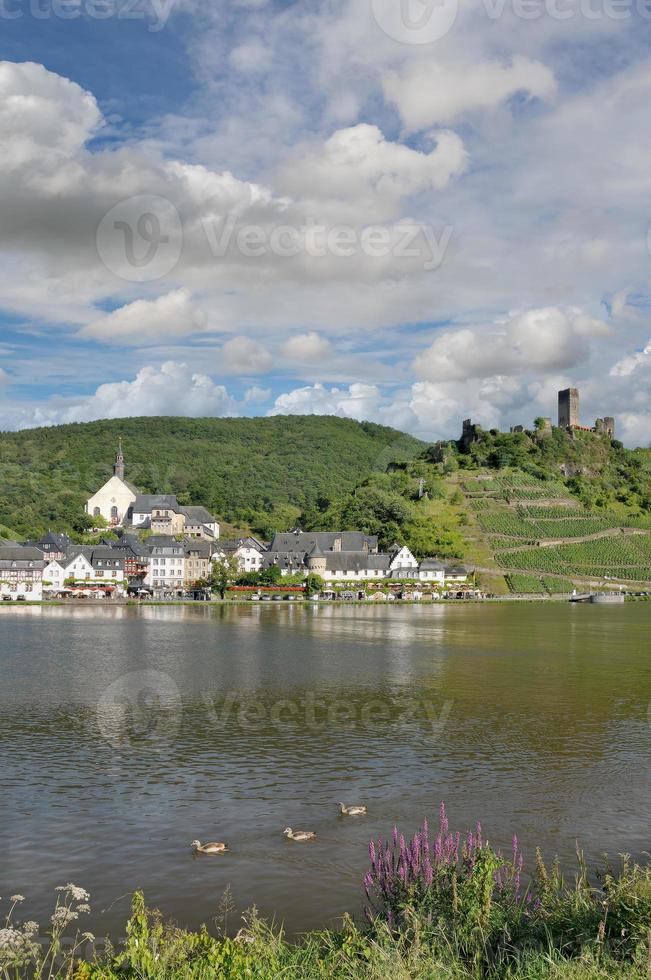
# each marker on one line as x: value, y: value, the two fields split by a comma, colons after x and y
x: 166, y: 572
x: 26, y: 585
x: 55, y: 574
x: 79, y: 568
x: 112, y: 501
x: 432, y: 575
x: 403, y: 559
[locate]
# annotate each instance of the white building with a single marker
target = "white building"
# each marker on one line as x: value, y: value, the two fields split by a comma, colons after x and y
x: 166, y: 564
x: 248, y: 551
x: 21, y: 573
x: 54, y: 576
x: 113, y: 500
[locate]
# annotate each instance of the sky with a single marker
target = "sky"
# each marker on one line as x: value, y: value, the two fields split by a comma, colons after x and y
x: 407, y: 211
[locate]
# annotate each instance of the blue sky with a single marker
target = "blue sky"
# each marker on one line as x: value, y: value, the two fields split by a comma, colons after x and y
x: 256, y: 207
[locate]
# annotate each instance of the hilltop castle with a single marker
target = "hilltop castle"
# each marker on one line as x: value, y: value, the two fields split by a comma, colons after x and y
x: 568, y: 418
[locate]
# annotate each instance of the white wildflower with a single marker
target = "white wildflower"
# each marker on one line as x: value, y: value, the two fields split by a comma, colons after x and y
x: 17, y: 898
x: 88, y: 936
x: 83, y: 908
x: 62, y: 916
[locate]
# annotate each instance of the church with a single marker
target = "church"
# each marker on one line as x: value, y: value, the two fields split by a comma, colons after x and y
x: 113, y: 500
x: 120, y: 503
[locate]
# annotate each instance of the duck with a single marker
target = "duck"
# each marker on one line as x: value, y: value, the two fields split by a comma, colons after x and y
x: 216, y: 847
x: 298, y: 834
x: 352, y: 811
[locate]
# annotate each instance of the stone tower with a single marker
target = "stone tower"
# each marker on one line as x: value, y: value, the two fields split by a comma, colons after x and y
x: 316, y: 561
x: 568, y: 408
x: 118, y: 466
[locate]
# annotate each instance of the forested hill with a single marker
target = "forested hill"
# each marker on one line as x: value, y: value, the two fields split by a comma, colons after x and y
x: 259, y: 473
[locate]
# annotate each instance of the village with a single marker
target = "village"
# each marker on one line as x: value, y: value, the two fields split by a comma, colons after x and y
x: 155, y: 548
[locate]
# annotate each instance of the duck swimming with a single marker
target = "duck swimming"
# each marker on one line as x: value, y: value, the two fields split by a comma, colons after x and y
x: 298, y: 834
x: 352, y: 811
x: 216, y: 847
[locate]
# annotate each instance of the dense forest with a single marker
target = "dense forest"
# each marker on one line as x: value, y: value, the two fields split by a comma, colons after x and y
x: 252, y: 473
x: 267, y: 474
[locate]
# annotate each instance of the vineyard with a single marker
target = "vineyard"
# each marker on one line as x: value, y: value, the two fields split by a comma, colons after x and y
x: 519, y: 513
x: 535, y: 585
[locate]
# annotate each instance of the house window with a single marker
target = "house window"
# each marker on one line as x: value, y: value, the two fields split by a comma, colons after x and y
x: 96, y: 511
x: 114, y: 513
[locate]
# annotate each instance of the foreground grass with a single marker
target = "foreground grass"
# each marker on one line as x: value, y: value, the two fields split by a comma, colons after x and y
x: 440, y: 907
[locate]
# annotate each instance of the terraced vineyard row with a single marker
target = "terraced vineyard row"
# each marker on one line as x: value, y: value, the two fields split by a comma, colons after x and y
x: 533, y: 584
x: 505, y: 508
x: 516, y: 525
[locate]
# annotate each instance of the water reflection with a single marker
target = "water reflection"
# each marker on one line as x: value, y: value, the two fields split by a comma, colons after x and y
x: 127, y: 732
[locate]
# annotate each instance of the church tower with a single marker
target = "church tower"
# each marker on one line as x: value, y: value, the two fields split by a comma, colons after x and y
x: 118, y: 466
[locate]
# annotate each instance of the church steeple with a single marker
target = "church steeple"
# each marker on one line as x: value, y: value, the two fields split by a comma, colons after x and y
x: 118, y: 466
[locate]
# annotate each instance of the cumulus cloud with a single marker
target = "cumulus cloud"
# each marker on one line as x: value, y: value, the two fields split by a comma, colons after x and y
x: 632, y: 363
x: 148, y: 321
x: 171, y: 389
x: 306, y: 347
x: 241, y: 355
x: 430, y: 92
x: 359, y: 401
x: 536, y: 341
x: 360, y: 165
x: 44, y: 118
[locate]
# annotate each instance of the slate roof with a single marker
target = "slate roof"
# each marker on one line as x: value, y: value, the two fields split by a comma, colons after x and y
x: 163, y: 541
x: 305, y: 540
x: 231, y: 545
x: 198, y: 548
x: 146, y: 502
x: 21, y: 555
x: 286, y: 561
x: 197, y: 515
x: 356, y: 561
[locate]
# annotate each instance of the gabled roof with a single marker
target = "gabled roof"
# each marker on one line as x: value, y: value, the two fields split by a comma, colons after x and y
x: 197, y: 515
x: 197, y: 547
x: 20, y: 553
x: 146, y: 502
x: 305, y: 541
x: 356, y: 561
x: 231, y: 545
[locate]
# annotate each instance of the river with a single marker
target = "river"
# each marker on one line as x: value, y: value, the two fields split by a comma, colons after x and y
x: 128, y: 732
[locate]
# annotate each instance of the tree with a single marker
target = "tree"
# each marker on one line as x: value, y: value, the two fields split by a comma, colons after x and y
x: 313, y: 583
x: 271, y: 575
x: 224, y: 571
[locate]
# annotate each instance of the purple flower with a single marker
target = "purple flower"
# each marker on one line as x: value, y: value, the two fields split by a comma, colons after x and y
x: 443, y: 820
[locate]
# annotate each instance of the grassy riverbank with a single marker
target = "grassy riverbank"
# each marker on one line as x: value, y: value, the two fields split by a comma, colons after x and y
x: 440, y: 905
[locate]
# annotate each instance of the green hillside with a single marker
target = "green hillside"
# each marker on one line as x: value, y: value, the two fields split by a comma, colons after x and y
x: 530, y: 513
x: 258, y: 473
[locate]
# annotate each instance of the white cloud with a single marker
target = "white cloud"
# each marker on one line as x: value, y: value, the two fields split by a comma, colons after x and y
x: 241, y: 355
x: 359, y: 165
x: 251, y: 57
x: 256, y: 395
x: 632, y: 363
x: 4, y: 377
x: 536, y: 341
x: 432, y: 92
x: 171, y: 389
x: 44, y: 118
x: 148, y: 321
x: 359, y: 401
x: 306, y: 347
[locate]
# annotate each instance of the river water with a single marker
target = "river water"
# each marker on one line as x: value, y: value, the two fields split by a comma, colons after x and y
x: 128, y: 732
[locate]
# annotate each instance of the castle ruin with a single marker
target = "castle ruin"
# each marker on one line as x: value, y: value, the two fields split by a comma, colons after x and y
x: 568, y: 419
